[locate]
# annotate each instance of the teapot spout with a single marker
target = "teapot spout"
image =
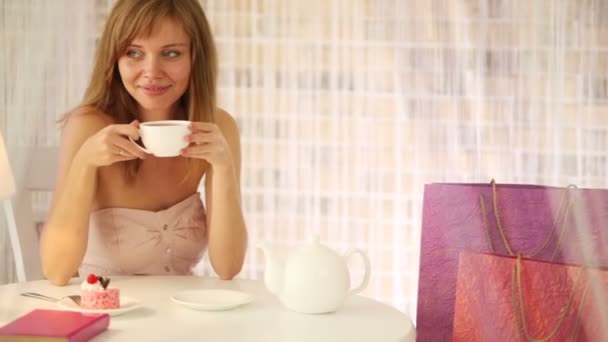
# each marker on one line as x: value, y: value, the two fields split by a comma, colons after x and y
x: 274, y: 269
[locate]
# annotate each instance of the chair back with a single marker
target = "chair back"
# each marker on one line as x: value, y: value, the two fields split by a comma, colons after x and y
x: 35, y: 180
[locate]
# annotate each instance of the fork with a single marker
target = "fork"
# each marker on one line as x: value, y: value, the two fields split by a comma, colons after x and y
x: 74, y: 298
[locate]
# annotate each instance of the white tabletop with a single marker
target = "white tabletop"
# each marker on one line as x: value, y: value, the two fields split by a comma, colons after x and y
x: 264, y: 319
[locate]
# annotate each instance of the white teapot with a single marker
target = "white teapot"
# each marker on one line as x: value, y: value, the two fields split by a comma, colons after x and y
x: 312, y: 278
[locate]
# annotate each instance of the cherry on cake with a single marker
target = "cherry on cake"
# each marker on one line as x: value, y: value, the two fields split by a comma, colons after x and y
x: 95, y: 294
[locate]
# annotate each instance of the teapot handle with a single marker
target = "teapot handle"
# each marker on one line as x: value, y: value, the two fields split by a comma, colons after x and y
x: 365, y: 280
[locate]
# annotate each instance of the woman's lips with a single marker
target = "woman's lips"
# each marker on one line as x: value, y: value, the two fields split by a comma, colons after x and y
x: 154, y: 90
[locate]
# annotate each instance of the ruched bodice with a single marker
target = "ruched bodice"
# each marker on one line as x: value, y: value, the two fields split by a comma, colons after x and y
x: 132, y: 241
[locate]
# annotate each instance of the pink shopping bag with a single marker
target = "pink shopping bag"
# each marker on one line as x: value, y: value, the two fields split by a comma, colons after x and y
x: 565, y: 225
x: 513, y: 299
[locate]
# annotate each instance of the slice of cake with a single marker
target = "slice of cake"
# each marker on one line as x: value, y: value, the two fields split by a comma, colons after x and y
x: 96, y: 294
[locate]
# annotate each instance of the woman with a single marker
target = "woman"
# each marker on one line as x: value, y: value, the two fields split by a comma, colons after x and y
x: 118, y: 210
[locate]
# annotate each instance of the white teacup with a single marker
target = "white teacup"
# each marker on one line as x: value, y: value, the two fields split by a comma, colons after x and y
x: 164, y: 138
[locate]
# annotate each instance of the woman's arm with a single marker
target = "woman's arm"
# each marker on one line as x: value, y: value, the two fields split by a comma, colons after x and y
x: 64, y: 237
x: 227, y: 234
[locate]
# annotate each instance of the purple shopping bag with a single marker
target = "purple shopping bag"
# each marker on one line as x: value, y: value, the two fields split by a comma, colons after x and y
x: 565, y: 225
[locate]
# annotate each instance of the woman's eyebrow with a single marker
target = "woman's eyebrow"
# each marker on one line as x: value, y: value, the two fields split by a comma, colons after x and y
x: 164, y: 46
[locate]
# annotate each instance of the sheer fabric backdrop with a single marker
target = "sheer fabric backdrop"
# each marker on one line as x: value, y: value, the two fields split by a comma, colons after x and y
x: 45, y: 57
x: 348, y: 107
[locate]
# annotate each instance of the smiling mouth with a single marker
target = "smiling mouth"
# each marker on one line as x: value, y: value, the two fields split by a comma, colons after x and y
x: 154, y: 90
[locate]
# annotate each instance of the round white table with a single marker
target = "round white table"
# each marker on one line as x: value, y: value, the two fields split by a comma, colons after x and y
x: 264, y: 319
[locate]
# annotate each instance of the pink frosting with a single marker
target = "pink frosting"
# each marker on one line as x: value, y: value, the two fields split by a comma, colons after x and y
x: 101, y: 299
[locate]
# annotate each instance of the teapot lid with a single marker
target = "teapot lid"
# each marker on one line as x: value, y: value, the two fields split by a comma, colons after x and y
x: 314, y: 247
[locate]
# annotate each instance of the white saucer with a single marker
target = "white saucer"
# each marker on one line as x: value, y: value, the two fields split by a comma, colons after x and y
x: 212, y: 299
x: 126, y: 304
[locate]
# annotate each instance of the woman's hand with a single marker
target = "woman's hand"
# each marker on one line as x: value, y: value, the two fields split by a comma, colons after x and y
x: 207, y: 142
x: 111, y: 145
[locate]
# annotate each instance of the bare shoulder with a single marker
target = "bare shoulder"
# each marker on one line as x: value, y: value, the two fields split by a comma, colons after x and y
x: 87, y: 119
x: 225, y: 121
x: 230, y: 130
x: 79, y: 125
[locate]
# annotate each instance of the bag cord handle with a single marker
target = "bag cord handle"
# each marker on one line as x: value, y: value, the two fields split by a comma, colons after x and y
x: 519, y: 310
x: 501, y: 228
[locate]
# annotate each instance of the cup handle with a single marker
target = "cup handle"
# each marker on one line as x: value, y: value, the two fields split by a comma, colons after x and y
x: 139, y: 146
x: 365, y: 280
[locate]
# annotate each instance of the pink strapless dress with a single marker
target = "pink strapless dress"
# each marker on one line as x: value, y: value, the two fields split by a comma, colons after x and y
x: 131, y: 241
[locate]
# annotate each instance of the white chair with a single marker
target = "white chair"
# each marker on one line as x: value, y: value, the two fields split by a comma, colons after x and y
x: 37, y: 169
x: 7, y: 190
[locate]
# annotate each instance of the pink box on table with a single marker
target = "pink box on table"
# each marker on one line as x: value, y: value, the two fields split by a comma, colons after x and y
x: 55, y: 325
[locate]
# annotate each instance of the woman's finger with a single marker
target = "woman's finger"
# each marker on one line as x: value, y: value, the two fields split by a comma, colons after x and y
x: 116, y: 154
x: 200, y: 138
x: 129, y: 130
x: 124, y: 157
x: 202, y: 127
x: 197, y: 149
x: 127, y: 148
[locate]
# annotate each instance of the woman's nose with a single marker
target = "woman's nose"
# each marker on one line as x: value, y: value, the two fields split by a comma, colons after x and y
x: 152, y: 67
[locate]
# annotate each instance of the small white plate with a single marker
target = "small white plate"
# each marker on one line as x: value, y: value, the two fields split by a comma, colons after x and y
x: 212, y: 299
x: 126, y: 304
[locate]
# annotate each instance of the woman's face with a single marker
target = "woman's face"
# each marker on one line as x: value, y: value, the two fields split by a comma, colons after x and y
x: 155, y: 69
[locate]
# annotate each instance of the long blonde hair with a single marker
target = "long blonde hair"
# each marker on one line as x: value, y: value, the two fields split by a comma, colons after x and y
x: 132, y: 18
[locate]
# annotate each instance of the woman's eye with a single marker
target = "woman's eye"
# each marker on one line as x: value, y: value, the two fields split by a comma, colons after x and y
x: 133, y: 54
x: 171, y: 54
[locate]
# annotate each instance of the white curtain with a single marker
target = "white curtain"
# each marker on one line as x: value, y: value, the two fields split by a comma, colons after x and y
x: 348, y: 107
x: 45, y: 58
